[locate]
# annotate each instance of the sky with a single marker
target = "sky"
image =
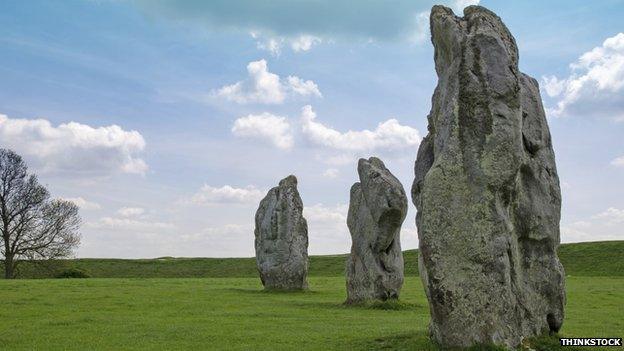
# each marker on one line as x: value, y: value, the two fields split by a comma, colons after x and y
x: 167, y: 121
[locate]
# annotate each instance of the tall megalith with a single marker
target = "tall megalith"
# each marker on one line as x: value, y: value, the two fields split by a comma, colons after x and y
x: 282, y: 238
x: 377, y: 209
x: 487, y: 191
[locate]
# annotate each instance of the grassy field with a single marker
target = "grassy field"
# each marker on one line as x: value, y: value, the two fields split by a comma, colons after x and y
x: 581, y: 259
x: 235, y: 314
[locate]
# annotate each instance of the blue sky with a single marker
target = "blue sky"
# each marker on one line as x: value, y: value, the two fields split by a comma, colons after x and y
x: 167, y: 121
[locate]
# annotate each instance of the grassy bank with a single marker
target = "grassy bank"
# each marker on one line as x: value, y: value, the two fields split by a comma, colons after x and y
x: 580, y: 259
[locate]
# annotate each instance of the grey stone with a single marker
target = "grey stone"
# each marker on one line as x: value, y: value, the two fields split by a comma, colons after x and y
x: 282, y: 238
x: 377, y: 209
x: 487, y: 191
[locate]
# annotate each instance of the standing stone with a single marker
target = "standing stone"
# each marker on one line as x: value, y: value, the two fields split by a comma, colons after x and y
x: 377, y: 208
x: 282, y: 238
x: 487, y: 191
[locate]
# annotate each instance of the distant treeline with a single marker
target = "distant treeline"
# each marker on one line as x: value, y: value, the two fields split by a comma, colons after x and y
x: 604, y: 258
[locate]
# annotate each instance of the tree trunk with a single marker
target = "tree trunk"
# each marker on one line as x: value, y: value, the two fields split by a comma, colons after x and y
x: 9, y: 267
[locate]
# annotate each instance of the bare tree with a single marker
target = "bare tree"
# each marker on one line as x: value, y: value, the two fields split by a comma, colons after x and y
x: 34, y: 226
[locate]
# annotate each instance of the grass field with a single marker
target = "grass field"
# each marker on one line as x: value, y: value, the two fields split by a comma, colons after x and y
x: 235, y: 314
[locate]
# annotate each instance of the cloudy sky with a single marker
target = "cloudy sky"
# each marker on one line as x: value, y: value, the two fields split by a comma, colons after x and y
x: 167, y: 121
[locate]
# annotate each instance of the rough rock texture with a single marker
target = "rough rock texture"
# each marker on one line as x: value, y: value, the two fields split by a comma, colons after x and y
x: 487, y: 191
x: 377, y: 208
x: 282, y: 238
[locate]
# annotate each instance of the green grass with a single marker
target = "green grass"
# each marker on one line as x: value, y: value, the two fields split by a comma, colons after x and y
x: 581, y: 259
x: 235, y: 314
x: 219, y: 304
x: 600, y: 258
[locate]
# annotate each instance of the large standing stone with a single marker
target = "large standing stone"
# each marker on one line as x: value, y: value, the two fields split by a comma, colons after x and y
x: 487, y: 191
x: 377, y: 208
x: 282, y: 238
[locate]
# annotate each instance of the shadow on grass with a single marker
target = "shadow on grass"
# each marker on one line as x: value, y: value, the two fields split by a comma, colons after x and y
x: 270, y: 292
x: 388, y: 305
x: 382, y: 306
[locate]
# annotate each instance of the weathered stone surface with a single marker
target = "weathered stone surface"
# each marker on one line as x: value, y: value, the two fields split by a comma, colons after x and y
x: 487, y: 191
x: 282, y: 238
x: 377, y: 208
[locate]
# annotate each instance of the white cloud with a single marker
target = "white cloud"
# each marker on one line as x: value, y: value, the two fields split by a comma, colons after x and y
x: 595, y: 84
x: 337, y: 160
x: 132, y: 220
x: 304, y: 42
x: 274, y: 129
x: 459, y: 5
x: 581, y: 224
x: 225, y: 240
x: 83, y: 204
x: 274, y: 44
x: 131, y: 224
x: 74, y: 147
x: 228, y: 229
x: 303, y: 87
x: 388, y: 135
x: 409, y: 232
x: 602, y: 226
x: 209, y: 195
x: 130, y: 211
x: 553, y: 85
x: 612, y: 216
x: 421, y: 32
x: 618, y: 162
x: 262, y: 86
x: 265, y: 87
x: 319, y: 213
x: 219, y: 233
x: 327, y: 227
x: 331, y: 173
x: 572, y: 233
